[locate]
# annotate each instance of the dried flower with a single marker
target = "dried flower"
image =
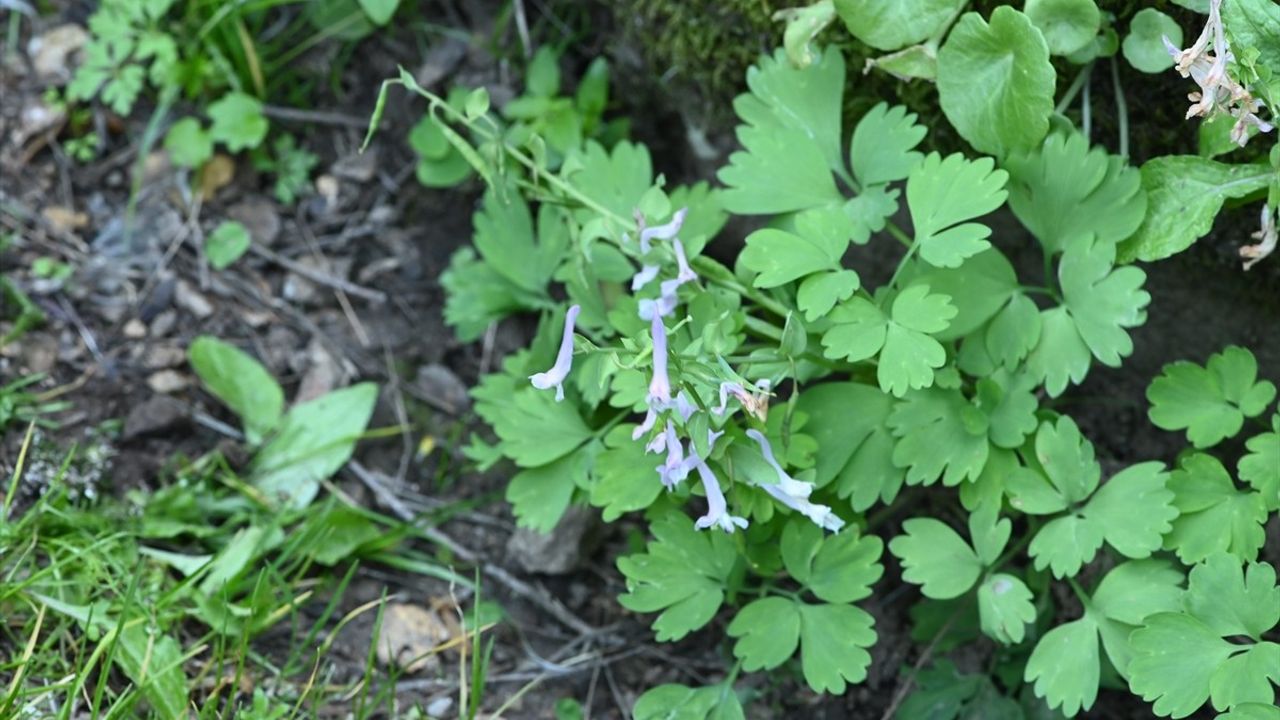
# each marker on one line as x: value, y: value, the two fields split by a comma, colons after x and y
x: 1266, y: 234
x: 756, y: 404
x: 564, y: 359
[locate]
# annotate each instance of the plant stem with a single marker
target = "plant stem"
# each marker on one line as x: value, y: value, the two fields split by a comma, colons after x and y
x: 1122, y: 110
x: 1074, y: 88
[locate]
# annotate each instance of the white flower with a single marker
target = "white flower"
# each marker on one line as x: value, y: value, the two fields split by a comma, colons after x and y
x: 717, y: 511
x: 1266, y: 234
x: 564, y: 359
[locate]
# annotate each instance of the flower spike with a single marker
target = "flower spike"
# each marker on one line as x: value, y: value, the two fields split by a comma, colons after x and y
x: 564, y: 359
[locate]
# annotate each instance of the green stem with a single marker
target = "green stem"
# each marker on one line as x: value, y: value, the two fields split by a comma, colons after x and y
x: 1122, y: 110
x: 1073, y: 89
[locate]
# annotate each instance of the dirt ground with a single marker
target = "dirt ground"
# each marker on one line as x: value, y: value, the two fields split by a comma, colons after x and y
x: 344, y: 287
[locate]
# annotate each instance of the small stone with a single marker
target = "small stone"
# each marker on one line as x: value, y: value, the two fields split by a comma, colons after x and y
x: 164, y: 323
x: 39, y: 352
x: 440, y: 383
x: 555, y: 553
x: 191, y: 300
x: 323, y: 374
x: 167, y: 382
x: 438, y: 707
x: 358, y: 167
x: 154, y: 416
x: 259, y: 217
x: 135, y: 329
x: 215, y: 175
x: 408, y: 635
x: 327, y: 188
x: 159, y: 357
x: 63, y: 219
x: 51, y: 52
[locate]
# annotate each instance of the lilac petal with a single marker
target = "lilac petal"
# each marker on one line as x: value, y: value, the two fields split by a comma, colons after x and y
x: 555, y: 376
x: 645, y: 276
x: 660, y: 385
x: 663, y: 232
x: 727, y: 389
x: 676, y: 467
x: 686, y: 273
x: 685, y: 407
x: 788, y: 484
x: 650, y: 418
x: 820, y: 515
x: 717, y: 510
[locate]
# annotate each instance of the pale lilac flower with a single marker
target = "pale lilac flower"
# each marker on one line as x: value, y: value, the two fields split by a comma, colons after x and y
x: 788, y: 484
x: 564, y: 359
x: 677, y: 465
x: 1268, y: 236
x: 756, y: 403
x: 662, y: 307
x: 661, y: 232
x: 684, y: 406
x: 684, y: 273
x: 821, y: 515
x: 645, y: 276
x: 650, y: 418
x: 717, y: 510
x: 660, y: 385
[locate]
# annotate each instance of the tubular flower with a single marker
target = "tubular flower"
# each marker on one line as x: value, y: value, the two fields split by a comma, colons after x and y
x: 564, y: 359
x: 821, y: 515
x: 661, y: 232
x: 645, y: 276
x: 1266, y: 234
x: 660, y: 385
x: 756, y: 404
x: 717, y: 511
x: 677, y: 465
x: 786, y: 483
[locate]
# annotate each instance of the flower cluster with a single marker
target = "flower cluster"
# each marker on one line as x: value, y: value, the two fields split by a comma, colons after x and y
x: 1219, y: 92
x: 663, y: 406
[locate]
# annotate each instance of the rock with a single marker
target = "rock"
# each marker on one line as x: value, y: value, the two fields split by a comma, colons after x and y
x: 51, y: 52
x: 438, y: 707
x: 557, y: 552
x: 323, y: 374
x: 408, y: 635
x: 39, y: 352
x: 167, y: 382
x: 164, y: 323
x: 135, y: 329
x: 154, y: 416
x: 63, y: 219
x: 440, y: 61
x: 191, y: 300
x: 36, y: 119
x: 358, y: 167
x: 327, y: 189
x: 160, y: 357
x: 259, y: 217
x: 215, y: 175
x: 439, y: 382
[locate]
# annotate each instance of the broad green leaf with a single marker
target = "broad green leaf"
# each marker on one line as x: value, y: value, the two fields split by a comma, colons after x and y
x: 675, y: 702
x: 1184, y: 195
x: 871, y: 210
x: 313, y: 441
x: 883, y: 145
x: 504, y: 236
x: 1254, y: 24
x: 995, y: 82
x: 1135, y: 589
x: 1247, y: 677
x: 476, y: 295
x: 1010, y: 404
x: 838, y: 569
x: 821, y: 236
x: 542, y: 78
x: 935, y: 557
x: 1014, y: 331
x: 1175, y: 655
x: 243, y: 548
x: 240, y: 382
x: 379, y: 11
x: 943, y: 195
x: 1213, y: 515
x: 540, y: 495
x: 832, y: 659
x: 820, y: 292
x: 1061, y: 356
x: 1065, y: 544
x: 858, y: 331
x: 1144, y: 46
x: 1252, y: 711
x: 226, y: 244
x: 941, y: 693
x: 1258, y: 467
x: 623, y: 475
x: 188, y: 143
x: 1104, y: 301
x: 237, y: 121
x: 682, y: 573
x: 1067, y: 25
x: 1005, y: 608
x: 1210, y: 402
x: 617, y: 178
x: 939, y: 435
x: 978, y: 289
x: 535, y: 429
x: 1231, y: 599
x: 767, y: 632
x: 837, y: 432
x: 910, y: 355
x: 892, y: 25
x: 1134, y: 509
x: 1068, y: 459
x: 1064, y: 666
x: 1064, y: 189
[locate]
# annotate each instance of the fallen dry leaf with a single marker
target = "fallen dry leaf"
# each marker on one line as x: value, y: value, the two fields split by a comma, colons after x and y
x: 409, y: 636
x: 215, y: 175
x: 63, y: 219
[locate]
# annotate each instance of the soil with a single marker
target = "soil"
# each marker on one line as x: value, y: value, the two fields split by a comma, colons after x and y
x: 117, y: 329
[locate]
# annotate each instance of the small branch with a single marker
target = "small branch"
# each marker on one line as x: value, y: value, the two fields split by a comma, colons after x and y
x: 315, y: 117
x: 314, y: 275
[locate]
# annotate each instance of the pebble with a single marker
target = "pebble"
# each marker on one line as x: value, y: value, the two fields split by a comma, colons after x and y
x: 191, y: 300
x: 259, y: 217
x: 167, y: 382
x: 135, y: 329
x: 408, y: 635
x: 555, y: 553
x: 439, y: 382
x: 153, y: 416
x: 51, y: 52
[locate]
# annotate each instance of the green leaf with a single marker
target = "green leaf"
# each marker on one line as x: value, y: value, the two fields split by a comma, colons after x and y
x: 882, y: 148
x: 540, y: 495
x: 1136, y: 589
x: 935, y: 557
x: 1065, y: 544
x: 995, y: 82
x: 1254, y: 24
x: 226, y: 244
x: 616, y: 179
x: 1005, y: 608
x: 1014, y: 331
x: 1065, y: 189
x: 1213, y: 515
x: 820, y: 292
x: 624, y: 476
x: 910, y: 355
x: 241, y: 383
x: 1231, y: 599
x: 892, y: 25
x: 1258, y: 467
x: 1065, y: 666
x: 314, y: 440
x: 1211, y: 402
x: 1184, y: 195
x: 237, y: 121
x: 943, y: 195
x: 1175, y: 656
x: 682, y: 573
x: 1144, y: 46
x: 838, y: 569
x: 675, y: 702
x: 504, y: 237
x: 379, y: 11
x: 829, y: 658
x: 1103, y: 300
x: 791, y: 137
x: 535, y: 429
x: 821, y: 236
x: 476, y: 295
x: 858, y: 330
x: 767, y: 632
x: 188, y: 144
x: 1067, y: 25
x: 1061, y: 356
x: 940, y: 435
x: 978, y: 289
x: 1134, y: 509
x: 1252, y: 711
x: 1068, y: 459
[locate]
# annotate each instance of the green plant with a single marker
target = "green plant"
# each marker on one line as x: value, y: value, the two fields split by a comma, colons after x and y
x: 799, y: 400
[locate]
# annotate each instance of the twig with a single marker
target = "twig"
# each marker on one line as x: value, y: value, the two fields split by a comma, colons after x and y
x: 537, y: 596
x: 314, y: 275
x: 316, y: 117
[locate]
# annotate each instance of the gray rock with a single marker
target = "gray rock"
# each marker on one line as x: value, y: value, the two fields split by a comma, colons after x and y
x: 153, y: 417
x: 558, y: 552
